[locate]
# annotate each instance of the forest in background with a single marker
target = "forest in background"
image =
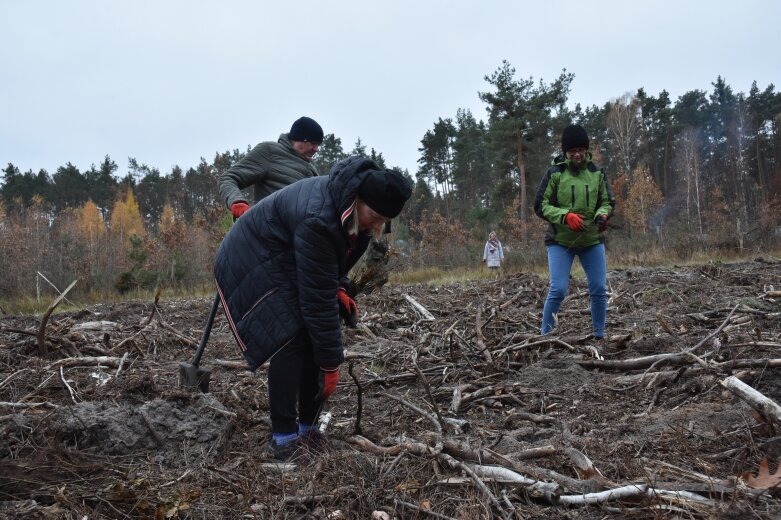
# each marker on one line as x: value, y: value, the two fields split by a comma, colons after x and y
x: 700, y: 173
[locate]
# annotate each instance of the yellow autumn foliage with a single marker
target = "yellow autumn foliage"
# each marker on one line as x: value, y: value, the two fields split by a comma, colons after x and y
x: 643, y: 199
x: 126, y: 218
x: 91, y: 222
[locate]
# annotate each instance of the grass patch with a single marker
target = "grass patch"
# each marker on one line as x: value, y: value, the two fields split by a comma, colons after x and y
x: 32, y: 306
x: 537, y: 264
x: 532, y: 260
x: 436, y: 276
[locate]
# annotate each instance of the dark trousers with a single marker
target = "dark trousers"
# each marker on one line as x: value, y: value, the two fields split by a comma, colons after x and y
x: 292, y: 380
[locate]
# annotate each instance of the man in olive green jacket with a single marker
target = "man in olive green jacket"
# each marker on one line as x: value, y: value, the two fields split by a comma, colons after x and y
x: 575, y: 197
x: 271, y: 166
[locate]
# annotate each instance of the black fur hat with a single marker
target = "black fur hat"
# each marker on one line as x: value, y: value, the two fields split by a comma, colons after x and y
x: 306, y: 129
x: 574, y: 136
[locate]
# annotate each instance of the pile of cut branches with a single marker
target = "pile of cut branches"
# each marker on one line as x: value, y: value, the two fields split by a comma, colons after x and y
x: 450, y: 405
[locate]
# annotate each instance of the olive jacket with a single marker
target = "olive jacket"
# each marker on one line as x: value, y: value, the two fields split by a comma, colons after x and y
x: 269, y: 167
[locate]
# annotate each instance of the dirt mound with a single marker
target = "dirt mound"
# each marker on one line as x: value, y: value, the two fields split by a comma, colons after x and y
x: 162, y: 427
x: 470, y: 414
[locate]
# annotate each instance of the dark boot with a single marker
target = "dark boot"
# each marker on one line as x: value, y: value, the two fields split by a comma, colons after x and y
x: 313, y: 442
x: 282, y: 452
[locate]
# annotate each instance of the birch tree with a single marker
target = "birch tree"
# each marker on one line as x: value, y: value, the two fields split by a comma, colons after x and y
x: 623, y: 120
x: 690, y: 159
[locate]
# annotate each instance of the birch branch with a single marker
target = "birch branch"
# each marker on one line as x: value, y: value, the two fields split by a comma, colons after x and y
x: 759, y: 402
x: 418, y: 307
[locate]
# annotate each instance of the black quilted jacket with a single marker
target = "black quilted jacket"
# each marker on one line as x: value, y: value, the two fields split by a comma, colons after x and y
x: 279, y: 267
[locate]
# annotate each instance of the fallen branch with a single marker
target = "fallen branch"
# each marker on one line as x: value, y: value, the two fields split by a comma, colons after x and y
x: 506, y: 475
x: 3, y: 383
x: 527, y: 343
x: 636, y: 363
x: 121, y: 362
x: 632, y: 491
x: 472, y: 472
x: 359, y: 391
x: 418, y: 307
x: 112, y: 362
x: 427, y: 387
x: 759, y: 402
x: 432, y: 418
x: 481, y: 338
x: 666, y: 326
x: 65, y: 382
x: 42, y: 329
x: 27, y: 405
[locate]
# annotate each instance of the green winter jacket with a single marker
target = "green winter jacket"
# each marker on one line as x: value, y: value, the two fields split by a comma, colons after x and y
x: 586, y: 192
x: 270, y: 166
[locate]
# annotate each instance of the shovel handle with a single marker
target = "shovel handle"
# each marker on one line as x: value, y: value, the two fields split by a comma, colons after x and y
x: 206, y: 330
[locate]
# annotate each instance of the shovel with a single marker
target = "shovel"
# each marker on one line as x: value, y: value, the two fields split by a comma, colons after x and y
x: 190, y: 374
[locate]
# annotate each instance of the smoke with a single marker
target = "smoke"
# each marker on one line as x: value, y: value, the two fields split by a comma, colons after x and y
x: 667, y: 211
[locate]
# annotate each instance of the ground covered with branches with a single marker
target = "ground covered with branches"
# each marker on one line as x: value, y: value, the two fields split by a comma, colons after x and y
x: 449, y: 406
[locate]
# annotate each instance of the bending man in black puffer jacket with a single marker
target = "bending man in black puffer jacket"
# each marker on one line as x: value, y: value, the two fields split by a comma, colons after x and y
x: 278, y: 274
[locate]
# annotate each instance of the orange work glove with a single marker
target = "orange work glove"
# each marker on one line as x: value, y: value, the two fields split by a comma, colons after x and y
x: 348, y: 309
x: 238, y: 209
x: 574, y: 221
x: 327, y: 380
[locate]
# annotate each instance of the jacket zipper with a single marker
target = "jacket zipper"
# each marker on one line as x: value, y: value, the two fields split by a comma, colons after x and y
x: 587, y: 202
x: 260, y: 300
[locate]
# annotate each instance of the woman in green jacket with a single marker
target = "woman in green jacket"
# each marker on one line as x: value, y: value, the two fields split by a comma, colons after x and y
x: 575, y: 197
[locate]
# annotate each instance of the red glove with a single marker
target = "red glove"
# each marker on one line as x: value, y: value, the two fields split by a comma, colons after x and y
x: 327, y: 380
x: 238, y: 209
x: 602, y: 222
x: 348, y: 310
x: 574, y: 221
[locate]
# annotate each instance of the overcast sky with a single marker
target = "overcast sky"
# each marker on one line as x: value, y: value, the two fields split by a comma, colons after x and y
x: 170, y: 81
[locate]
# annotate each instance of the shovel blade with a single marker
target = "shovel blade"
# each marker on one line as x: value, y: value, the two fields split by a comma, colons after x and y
x: 192, y: 376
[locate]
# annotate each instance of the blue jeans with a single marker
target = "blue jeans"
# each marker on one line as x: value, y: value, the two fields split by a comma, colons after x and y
x: 560, y: 260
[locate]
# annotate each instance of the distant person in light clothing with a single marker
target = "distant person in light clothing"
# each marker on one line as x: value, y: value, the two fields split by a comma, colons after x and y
x: 493, y: 254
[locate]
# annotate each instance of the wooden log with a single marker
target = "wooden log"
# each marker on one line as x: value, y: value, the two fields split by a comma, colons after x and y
x: 636, y: 363
x: 87, y: 361
x: 501, y: 474
x: 759, y: 402
x: 630, y: 491
x: 418, y: 307
x: 101, y: 325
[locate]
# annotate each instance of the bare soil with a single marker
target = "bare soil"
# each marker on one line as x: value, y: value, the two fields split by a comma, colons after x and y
x: 426, y: 415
